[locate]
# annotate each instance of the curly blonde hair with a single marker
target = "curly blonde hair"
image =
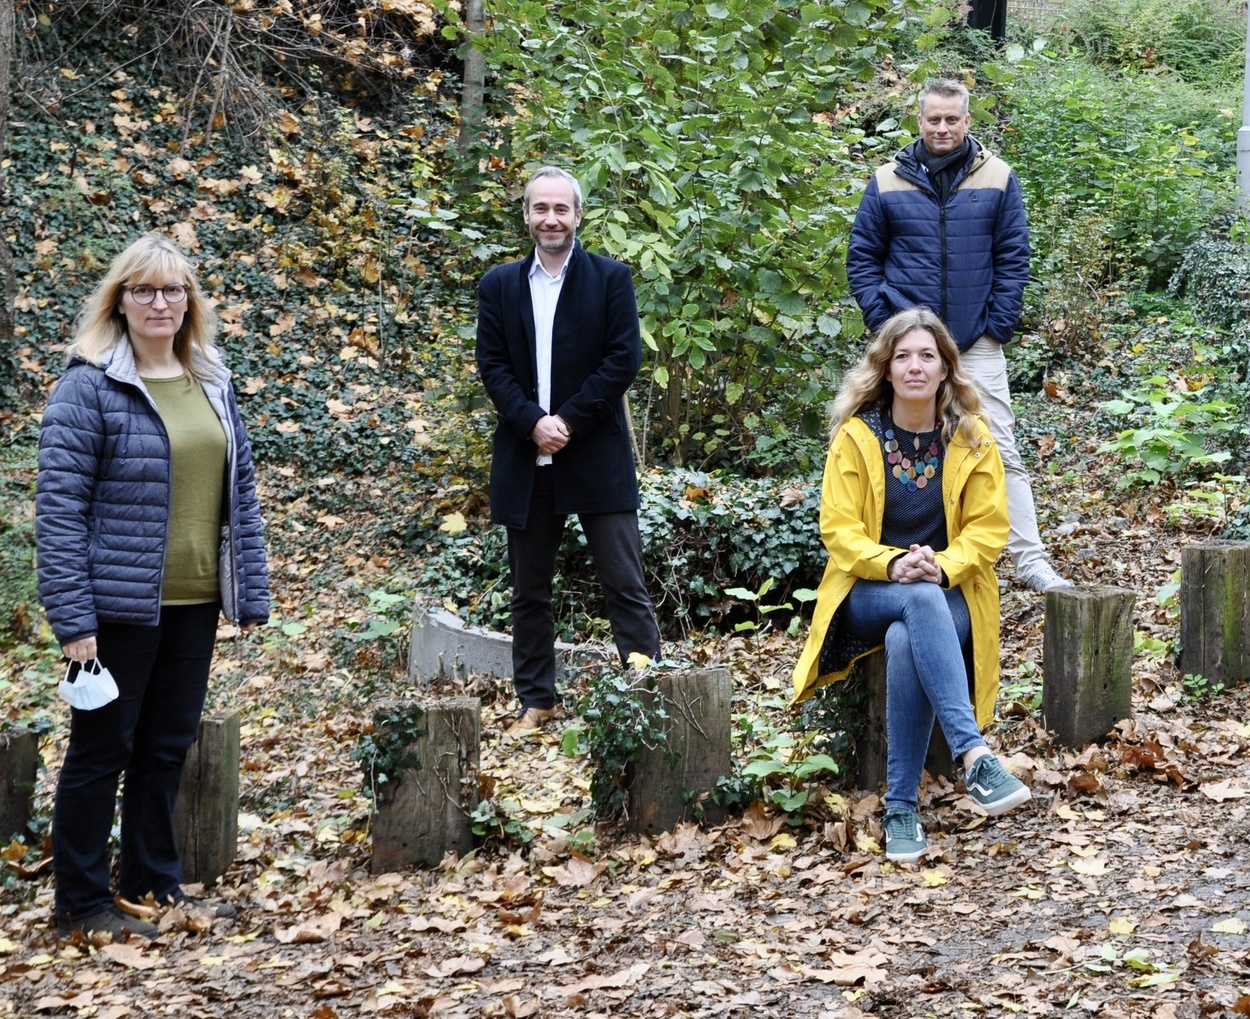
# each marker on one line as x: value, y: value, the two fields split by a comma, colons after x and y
x: 868, y: 383
x: 155, y: 259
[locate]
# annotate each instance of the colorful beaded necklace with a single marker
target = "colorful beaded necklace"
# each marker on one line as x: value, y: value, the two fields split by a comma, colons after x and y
x: 913, y: 468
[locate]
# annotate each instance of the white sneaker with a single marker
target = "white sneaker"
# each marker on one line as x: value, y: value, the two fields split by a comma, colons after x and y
x: 1041, y: 577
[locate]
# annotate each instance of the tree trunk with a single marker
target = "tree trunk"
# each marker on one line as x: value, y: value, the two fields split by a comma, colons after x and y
x: 472, y: 108
x: 663, y: 793
x: 1087, y: 662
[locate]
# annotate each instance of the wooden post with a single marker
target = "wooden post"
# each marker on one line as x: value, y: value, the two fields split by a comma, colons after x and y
x: 698, y: 704
x: 1215, y: 610
x: 872, y: 746
x: 19, y: 764
x: 1087, y: 662
x: 206, y: 815
x: 424, y: 813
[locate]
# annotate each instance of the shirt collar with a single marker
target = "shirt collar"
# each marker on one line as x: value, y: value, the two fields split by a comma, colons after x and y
x: 538, y: 266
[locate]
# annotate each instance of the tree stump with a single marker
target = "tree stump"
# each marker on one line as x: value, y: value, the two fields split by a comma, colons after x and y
x: 698, y: 704
x: 206, y: 814
x: 871, y: 746
x: 1087, y: 662
x: 19, y: 765
x: 423, y: 813
x: 1215, y: 610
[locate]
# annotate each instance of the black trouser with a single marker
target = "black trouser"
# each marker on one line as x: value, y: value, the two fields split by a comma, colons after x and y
x: 616, y: 549
x: 162, y: 676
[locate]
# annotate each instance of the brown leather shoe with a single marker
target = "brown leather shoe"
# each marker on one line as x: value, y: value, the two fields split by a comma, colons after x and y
x: 531, y: 720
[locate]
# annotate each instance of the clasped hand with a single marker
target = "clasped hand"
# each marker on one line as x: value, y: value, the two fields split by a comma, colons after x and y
x: 918, y: 564
x: 551, y: 434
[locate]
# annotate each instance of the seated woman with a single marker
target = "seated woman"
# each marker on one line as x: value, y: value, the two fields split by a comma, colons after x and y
x: 914, y: 514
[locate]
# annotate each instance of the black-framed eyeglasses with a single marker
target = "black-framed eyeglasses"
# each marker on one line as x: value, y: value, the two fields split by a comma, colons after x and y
x: 173, y: 293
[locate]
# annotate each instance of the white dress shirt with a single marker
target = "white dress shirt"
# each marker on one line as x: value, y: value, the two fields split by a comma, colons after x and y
x: 544, y: 295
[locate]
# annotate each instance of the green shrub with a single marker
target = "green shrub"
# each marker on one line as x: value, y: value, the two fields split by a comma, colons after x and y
x: 1202, y: 41
x: 1111, y: 168
x: 701, y: 534
x: 1178, y: 434
x: 1214, y: 275
x: 19, y: 600
x: 717, y: 167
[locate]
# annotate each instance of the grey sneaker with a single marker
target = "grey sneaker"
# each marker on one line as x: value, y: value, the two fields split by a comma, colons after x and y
x: 904, y: 836
x: 112, y: 922
x: 1042, y: 577
x: 995, y: 789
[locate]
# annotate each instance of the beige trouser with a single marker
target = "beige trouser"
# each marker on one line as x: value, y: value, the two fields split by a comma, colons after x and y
x: 987, y: 365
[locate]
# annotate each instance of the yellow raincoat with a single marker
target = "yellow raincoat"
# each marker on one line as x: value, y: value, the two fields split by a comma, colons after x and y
x: 974, y: 495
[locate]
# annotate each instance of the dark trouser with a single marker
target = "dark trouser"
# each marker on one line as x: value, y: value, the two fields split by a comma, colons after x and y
x: 616, y: 549
x: 162, y: 676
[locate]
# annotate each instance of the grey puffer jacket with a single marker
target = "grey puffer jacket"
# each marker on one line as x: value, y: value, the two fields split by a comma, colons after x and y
x: 103, y: 497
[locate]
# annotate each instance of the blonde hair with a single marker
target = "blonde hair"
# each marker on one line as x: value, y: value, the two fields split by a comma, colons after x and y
x: 153, y: 258
x: 868, y: 383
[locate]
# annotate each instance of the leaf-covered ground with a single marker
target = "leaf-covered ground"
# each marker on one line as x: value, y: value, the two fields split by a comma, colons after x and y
x: 1120, y: 891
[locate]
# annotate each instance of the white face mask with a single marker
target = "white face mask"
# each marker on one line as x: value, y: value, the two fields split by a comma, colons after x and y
x: 88, y: 685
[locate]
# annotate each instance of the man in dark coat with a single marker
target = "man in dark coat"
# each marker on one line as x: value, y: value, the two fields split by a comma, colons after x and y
x: 558, y: 345
x: 943, y: 225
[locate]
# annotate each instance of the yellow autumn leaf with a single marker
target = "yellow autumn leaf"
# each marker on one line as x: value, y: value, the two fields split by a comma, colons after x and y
x: 934, y: 878
x: 1085, y: 850
x: 782, y: 840
x: 1090, y: 868
x: 1119, y: 925
x: 453, y: 523
x: 1243, y: 730
x: 1230, y: 926
x: 638, y: 660
x: 1067, y: 813
x: 212, y: 960
x: 1030, y: 892
x: 6, y: 946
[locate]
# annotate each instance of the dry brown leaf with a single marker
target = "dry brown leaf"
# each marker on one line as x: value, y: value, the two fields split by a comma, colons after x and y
x: 310, y: 931
x: 759, y: 824
x: 133, y: 956
x: 579, y: 872
x: 1224, y: 791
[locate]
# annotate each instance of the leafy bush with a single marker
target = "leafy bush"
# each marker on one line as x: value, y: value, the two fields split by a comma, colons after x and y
x: 1175, y: 434
x: 693, y: 126
x: 701, y: 534
x: 1215, y: 275
x: 622, y: 717
x: 1200, y: 40
x: 1111, y: 170
x: 19, y: 599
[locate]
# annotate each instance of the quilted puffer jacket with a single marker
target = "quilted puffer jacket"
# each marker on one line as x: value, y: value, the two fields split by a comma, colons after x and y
x: 966, y: 260
x: 103, y: 496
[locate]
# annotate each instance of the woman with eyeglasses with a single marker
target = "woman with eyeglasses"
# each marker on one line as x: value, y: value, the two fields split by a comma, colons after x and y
x: 148, y: 528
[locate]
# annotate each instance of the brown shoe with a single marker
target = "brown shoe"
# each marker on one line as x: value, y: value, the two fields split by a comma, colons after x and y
x: 531, y: 720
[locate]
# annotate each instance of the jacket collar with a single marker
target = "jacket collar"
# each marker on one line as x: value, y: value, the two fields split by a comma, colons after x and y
x: 119, y: 364
x: 909, y: 166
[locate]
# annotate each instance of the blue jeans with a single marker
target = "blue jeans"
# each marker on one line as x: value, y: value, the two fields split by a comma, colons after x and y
x: 924, y: 628
x: 162, y: 676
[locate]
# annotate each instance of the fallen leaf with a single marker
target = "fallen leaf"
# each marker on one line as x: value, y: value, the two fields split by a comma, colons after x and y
x: 1222, y: 791
x: 453, y: 523
x: 317, y: 929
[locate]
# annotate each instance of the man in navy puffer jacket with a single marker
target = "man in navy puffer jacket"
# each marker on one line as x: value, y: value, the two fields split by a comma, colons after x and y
x: 943, y: 225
